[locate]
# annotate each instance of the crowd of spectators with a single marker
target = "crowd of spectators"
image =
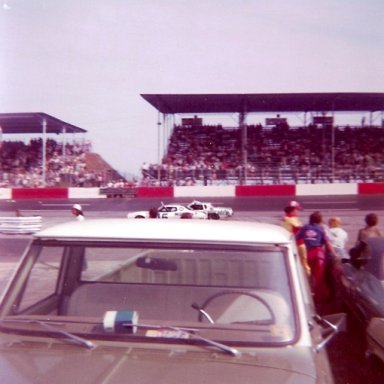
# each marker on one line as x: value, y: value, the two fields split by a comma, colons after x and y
x: 204, y: 155
x: 21, y: 164
x: 274, y: 155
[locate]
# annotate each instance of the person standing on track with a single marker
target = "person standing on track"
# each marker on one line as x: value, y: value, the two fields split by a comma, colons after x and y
x: 292, y: 223
x: 77, y: 211
x: 316, y: 241
x: 338, y: 237
x: 371, y: 229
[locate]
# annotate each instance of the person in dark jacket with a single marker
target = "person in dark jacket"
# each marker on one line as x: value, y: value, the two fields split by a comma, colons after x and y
x: 316, y: 241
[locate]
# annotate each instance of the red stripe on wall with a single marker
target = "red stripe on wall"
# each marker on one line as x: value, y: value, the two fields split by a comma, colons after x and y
x: 265, y: 190
x: 154, y: 191
x: 40, y: 193
x: 370, y: 189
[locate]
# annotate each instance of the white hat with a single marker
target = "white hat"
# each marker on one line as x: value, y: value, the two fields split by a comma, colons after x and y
x: 77, y: 207
x: 294, y: 204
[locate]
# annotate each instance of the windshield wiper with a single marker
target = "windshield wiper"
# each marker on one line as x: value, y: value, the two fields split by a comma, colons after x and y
x: 190, y: 332
x: 67, y: 335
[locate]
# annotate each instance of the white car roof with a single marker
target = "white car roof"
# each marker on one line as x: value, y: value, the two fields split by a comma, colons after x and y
x: 165, y: 230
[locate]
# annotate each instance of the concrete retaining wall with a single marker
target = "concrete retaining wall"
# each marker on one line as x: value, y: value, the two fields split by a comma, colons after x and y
x: 205, y: 191
x: 87, y: 193
x: 326, y: 189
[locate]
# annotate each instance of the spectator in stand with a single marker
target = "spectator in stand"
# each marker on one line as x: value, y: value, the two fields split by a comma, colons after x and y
x: 282, y: 155
x: 275, y: 155
x: 20, y: 165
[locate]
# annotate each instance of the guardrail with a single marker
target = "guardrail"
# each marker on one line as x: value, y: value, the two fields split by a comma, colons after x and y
x: 20, y: 224
x: 214, y: 190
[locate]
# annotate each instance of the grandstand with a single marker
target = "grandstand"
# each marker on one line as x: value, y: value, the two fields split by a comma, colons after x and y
x: 106, y: 174
x: 274, y: 153
x: 45, y: 162
x: 197, y: 153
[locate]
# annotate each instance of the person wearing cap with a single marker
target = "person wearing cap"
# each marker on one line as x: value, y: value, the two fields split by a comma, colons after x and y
x: 295, y: 204
x: 292, y: 223
x: 77, y: 211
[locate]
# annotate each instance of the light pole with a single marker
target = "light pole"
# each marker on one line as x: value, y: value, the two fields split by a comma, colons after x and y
x: 44, y: 154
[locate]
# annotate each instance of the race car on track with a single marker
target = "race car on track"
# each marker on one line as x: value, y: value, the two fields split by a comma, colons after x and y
x: 169, y: 211
x: 213, y: 212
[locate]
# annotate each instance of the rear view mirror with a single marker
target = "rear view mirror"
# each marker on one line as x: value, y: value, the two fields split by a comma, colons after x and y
x: 156, y: 264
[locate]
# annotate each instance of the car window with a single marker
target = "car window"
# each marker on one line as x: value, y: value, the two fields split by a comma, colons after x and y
x: 43, y: 277
x: 235, y: 286
x: 264, y: 268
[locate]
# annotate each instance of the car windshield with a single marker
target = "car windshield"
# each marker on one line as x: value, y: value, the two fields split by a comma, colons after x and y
x: 236, y: 294
x: 196, y: 206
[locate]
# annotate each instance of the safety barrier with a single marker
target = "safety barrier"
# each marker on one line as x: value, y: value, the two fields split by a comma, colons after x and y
x: 265, y: 190
x: 40, y: 193
x: 20, y: 224
x: 200, y: 191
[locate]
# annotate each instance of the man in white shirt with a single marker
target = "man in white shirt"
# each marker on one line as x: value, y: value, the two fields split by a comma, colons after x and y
x: 338, y: 237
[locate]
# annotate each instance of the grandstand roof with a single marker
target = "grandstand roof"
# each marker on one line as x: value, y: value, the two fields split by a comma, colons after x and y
x: 266, y: 102
x: 26, y: 123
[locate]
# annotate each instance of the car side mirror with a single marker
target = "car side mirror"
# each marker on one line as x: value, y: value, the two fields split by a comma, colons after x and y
x: 331, y: 325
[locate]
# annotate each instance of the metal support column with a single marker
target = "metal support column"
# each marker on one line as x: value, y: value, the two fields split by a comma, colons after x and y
x: 63, y: 131
x: 244, y: 145
x: 158, y: 136
x: 44, y: 154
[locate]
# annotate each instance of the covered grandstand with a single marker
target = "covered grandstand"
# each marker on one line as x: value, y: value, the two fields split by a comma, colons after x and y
x: 317, y: 151
x: 44, y: 160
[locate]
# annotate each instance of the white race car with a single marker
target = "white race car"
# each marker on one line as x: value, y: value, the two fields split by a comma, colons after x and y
x: 169, y: 211
x: 213, y: 212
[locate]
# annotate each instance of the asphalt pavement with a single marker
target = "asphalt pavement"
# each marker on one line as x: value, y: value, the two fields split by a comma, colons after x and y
x: 351, y: 210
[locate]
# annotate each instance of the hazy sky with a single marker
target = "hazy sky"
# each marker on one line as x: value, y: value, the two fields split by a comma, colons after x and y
x: 87, y: 61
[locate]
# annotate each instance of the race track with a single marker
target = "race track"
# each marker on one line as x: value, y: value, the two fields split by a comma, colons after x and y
x: 346, y: 352
x: 351, y: 209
